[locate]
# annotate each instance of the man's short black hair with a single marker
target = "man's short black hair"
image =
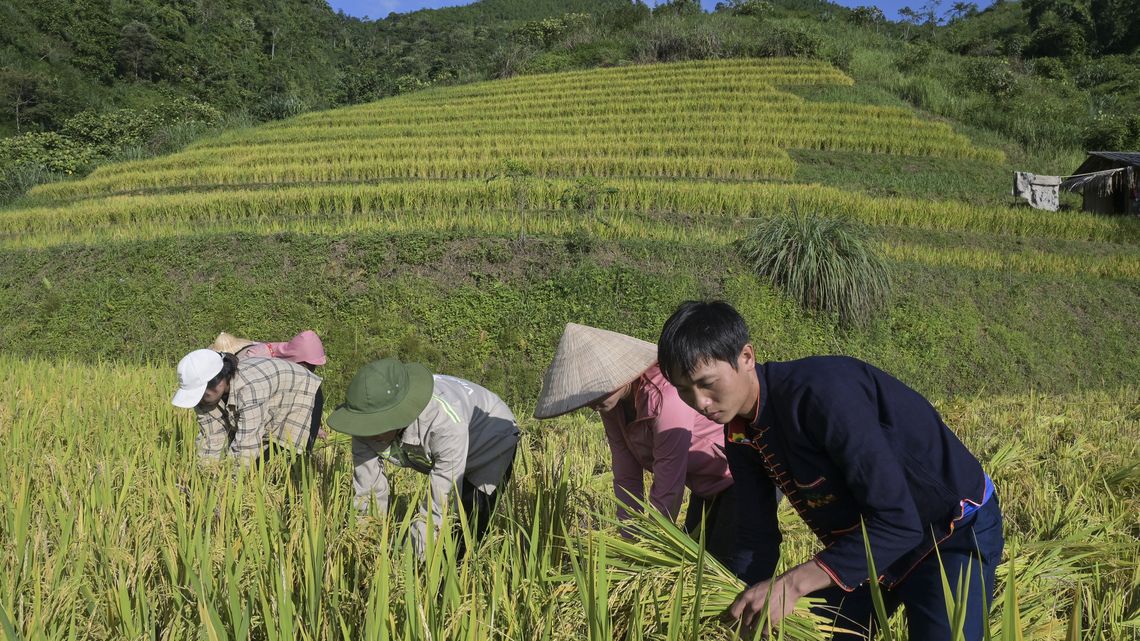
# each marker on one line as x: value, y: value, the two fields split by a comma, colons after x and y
x: 699, y: 332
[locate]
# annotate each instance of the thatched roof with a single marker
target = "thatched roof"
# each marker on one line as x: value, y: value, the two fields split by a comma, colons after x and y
x: 1101, y: 160
x: 1123, y: 157
x: 1105, y: 172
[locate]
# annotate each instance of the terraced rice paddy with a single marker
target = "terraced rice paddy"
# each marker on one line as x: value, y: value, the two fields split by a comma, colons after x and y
x: 704, y: 126
x: 109, y: 529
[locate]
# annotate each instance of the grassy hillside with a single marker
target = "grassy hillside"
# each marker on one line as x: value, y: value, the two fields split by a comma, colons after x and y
x: 603, y: 196
x: 463, y: 227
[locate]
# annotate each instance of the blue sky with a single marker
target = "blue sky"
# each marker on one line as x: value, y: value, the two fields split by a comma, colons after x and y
x: 380, y: 8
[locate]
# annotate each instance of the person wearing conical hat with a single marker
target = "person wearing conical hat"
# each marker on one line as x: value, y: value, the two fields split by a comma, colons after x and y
x: 304, y: 349
x: 246, y: 407
x: 462, y: 435
x: 648, y: 428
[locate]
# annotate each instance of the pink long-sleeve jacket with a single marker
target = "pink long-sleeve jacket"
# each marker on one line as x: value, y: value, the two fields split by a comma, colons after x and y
x: 668, y: 438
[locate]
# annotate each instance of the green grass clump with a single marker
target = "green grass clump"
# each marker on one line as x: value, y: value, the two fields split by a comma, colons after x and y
x: 827, y: 264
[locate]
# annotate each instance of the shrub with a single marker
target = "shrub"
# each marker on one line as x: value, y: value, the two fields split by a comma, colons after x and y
x: 511, y: 59
x: 825, y: 263
x: 913, y: 56
x: 1051, y: 68
x: 789, y: 41
x: 991, y: 75
x: 669, y: 39
x: 1015, y: 45
x: 753, y: 8
x: 1113, y: 131
x: 52, y: 151
x: 184, y: 110
x: 547, y: 32
x: 1060, y: 38
x: 550, y: 62
x: 1110, y: 74
x: 280, y: 106
x: 107, y: 133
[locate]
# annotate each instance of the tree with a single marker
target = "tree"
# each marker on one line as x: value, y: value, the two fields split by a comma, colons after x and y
x: 136, y: 51
x: 911, y: 18
x: 27, y: 96
x: 1059, y: 27
x: 930, y: 14
x: 960, y: 10
x: 1116, y: 25
x: 867, y: 16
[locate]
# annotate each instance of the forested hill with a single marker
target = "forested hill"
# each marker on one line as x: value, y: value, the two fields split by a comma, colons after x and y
x: 64, y: 56
x: 86, y: 81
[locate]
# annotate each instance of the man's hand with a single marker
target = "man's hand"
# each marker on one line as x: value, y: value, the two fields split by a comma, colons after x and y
x: 778, y: 595
x: 773, y: 594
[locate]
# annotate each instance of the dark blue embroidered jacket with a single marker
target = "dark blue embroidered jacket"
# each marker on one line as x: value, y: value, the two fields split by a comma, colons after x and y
x: 843, y: 439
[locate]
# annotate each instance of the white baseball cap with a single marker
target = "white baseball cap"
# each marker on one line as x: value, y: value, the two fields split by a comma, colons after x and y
x: 194, y: 372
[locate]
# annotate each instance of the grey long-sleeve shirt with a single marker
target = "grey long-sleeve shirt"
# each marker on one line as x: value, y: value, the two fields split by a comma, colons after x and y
x: 465, y: 433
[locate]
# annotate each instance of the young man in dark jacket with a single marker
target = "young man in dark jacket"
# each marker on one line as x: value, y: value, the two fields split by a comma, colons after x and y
x: 849, y: 446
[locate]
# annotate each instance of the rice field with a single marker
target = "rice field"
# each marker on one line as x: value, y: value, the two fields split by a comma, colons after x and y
x: 727, y: 121
x: 702, y: 211
x: 687, y: 151
x: 110, y: 530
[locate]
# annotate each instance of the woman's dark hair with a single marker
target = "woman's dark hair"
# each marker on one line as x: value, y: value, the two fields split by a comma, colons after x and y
x: 699, y: 332
x: 229, y: 368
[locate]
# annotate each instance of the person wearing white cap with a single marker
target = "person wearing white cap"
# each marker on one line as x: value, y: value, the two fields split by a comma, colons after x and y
x: 649, y: 428
x: 247, y: 406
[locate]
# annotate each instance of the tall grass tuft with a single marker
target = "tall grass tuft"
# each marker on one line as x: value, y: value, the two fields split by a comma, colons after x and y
x: 827, y: 264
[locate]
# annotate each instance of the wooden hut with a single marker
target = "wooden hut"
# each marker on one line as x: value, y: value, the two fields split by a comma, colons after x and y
x: 1108, y: 181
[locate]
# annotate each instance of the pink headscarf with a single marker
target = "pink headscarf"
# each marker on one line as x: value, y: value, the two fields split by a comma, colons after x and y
x: 305, y: 347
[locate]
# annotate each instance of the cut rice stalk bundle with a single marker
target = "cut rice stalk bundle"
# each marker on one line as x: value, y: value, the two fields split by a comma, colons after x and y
x: 661, y: 578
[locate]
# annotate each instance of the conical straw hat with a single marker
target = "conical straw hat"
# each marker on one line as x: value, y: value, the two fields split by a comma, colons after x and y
x: 589, y: 364
x: 229, y: 343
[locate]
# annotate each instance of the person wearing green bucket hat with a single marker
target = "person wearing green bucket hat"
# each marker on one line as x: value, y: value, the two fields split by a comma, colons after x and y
x: 460, y: 434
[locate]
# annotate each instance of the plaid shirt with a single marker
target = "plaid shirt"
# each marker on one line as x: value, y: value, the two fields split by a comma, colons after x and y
x: 269, y: 398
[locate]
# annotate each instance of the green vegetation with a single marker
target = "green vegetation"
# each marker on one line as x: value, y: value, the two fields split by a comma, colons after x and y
x: 826, y: 264
x: 109, y: 529
x: 1049, y: 76
x: 463, y: 226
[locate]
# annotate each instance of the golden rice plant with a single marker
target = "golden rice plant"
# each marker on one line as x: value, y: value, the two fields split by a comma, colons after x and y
x: 460, y: 133
x: 673, y: 207
x: 110, y: 529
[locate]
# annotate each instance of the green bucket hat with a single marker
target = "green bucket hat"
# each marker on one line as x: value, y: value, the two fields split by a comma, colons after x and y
x: 384, y: 395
